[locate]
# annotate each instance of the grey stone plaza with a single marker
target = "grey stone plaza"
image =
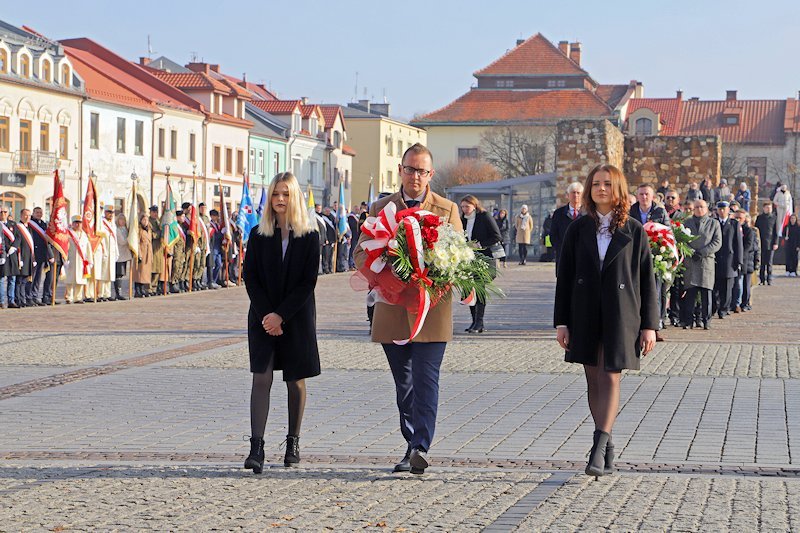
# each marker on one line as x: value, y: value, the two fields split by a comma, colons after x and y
x: 134, y: 415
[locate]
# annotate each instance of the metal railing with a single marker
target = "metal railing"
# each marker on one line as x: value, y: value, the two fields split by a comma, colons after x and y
x: 35, y: 161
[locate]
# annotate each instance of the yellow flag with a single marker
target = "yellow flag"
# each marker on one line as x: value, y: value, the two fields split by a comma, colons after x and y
x: 310, y: 198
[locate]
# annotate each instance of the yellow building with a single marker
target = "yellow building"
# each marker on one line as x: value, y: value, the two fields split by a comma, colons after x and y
x: 379, y: 142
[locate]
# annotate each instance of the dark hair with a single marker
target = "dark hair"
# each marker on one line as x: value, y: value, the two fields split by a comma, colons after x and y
x: 417, y: 148
x: 185, y: 205
x: 213, y: 212
x: 619, y: 196
x: 470, y: 199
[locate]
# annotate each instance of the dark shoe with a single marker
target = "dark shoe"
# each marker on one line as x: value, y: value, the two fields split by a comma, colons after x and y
x: 675, y: 322
x: 609, y: 464
x: 470, y: 328
x: 13, y: 305
x: 173, y: 289
x: 79, y: 302
x: 597, y: 455
x: 659, y: 338
x: 419, y: 461
x: 720, y: 315
x: 405, y: 464
x: 705, y: 324
x: 292, y: 456
x: 737, y: 309
x: 255, y: 461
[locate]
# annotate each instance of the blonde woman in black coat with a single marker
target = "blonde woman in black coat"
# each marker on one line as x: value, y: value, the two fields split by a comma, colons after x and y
x: 606, y: 310
x: 481, y: 228
x: 280, y: 273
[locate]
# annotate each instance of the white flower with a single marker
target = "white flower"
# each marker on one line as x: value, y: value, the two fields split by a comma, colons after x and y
x: 659, y: 258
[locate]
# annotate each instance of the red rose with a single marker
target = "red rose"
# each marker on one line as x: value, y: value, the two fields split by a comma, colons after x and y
x: 431, y: 220
x: 430, y: 235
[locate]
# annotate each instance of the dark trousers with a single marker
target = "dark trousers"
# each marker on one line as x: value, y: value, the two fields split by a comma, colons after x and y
x: 415, y: 368
x: 37, y: 287
x: 765, y: 272
x: 47, y: 285
x: 687, y: 305
x: 216, y: 259
x: 327, y: 259
x: 523, y: 252
x: 477, y: 311
x: 791, y: 259
x: 675, y: 300
x: 24, y: 289
x: 722, y: 295
x: 747, y: 281
x: 661, y: 292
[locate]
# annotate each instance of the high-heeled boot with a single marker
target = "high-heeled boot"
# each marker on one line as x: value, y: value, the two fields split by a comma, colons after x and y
x: 608, y: 468
x: 597, y: 455
x: 292, y: 456
x: 255, y: 461
x: 472, y: 325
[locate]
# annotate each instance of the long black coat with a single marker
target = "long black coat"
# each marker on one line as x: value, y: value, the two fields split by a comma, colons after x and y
x: 729, y: 257
x: 749, y: 249
x: 606, y: 307
x: 11, y: 268
x: 768, y: 228
x: 484, y: 231
x: 284, y: 286
x: 558, y: 227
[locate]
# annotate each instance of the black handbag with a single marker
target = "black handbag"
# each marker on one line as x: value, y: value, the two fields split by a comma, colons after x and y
x: 497, y: 250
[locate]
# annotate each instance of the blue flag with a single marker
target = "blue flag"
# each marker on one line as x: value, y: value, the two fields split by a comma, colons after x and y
x: 246, y: 220
x: 262, y: 203
x: 342, y: 210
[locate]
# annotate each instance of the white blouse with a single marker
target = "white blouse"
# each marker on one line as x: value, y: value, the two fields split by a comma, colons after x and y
x: 604, y: 235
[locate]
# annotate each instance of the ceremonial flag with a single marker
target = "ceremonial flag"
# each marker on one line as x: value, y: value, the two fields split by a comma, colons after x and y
x: 58, y: 227
x: 342, y: 214
x: 134, y: 214
x: 785, y: 221
x: 370, y: 194
x: 168, y: 222
x: 194, y: 226
x: 310, y: 198
x: 246, y: 220
x: 225, y: 219
x: 262, y: 203
x: 90, y: 219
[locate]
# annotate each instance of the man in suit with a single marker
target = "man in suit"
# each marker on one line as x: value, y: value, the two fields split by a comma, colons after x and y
x: 9, y: 271
x: 645, y: 210
x: 26, y: 255
x: 728, y: 260
x: 767, y: 224
x: 563, y: 217
x: 699, y: 274
x: 415, y: 365
x: 42, y: 289
x: 330, y: 240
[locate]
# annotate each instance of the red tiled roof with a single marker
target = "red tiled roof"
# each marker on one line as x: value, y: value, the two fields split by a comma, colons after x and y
x: 348, y: 150
x: 668, y: 110
x: 329, y: 113
x: 612, y: 94
x: 255, y: 88
x: 308, y: 109
x: 278, y: 107
x: 191, y: 80
x: 100, y: 87
x: 535, y: 56
x: 229, y: 119
x: 791, y: 122
x: 239, y: 91
x: 488, y: 106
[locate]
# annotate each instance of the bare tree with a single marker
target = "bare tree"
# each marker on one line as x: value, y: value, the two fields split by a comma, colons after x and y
x: 518, y: 150
x: 463, y: 172
x: 732, y: 163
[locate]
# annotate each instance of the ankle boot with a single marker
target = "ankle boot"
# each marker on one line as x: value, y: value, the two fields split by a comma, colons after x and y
x: 597, y: 460
x: 118, y: 290
x: 255, y: 461
x: 609, y: 459
x: 292, y: 456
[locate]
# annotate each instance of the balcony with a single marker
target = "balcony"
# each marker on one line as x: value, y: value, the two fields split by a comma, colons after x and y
x: 35, y: 162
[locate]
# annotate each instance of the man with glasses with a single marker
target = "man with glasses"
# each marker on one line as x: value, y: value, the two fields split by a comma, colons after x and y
x: 415, y: 366
x: 729, y: 260
x: 672, y: 203
x: 563, y: 217
x: 699, y: 274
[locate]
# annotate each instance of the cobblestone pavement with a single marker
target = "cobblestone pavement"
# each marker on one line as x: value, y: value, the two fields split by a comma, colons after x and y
x: 131, y: 415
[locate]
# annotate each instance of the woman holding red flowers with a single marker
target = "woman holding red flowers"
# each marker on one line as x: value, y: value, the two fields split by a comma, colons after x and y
x: 482, y: 228
x: 606, y: 306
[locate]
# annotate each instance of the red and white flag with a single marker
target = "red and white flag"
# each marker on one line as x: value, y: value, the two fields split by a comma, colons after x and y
x: 58, y: 227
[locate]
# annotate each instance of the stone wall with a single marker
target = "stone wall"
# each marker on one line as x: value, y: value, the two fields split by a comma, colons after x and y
x: 584, y: 144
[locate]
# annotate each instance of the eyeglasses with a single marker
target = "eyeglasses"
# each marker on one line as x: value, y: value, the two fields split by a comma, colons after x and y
x: 672, y: 197
x: 410, y: 171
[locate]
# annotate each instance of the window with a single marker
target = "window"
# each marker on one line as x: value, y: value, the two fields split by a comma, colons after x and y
x: 337, y: 139
x: 504, y: 83
x: 138, y: 138
x: 229, y: 161
x: 276, y: 162
x: 14, y: 202
x: 260, y: 162
x: 4, y: 134
x: 66, y: 76
x: 47, y: 74
x: 162, y: 141
x: 389, y: 145
x: 389, y: 178
x: 757, y: 166
x: 467, y: 153
x: 252, y: 160
x: 3, y: 61
x: 297, y: 166
x: 25, y: 66
x: 731, y: 120
x: 644, y: 126
x: 173, y: 144
x: 312, y: 171
x: 192, y: 141
x: 399, y: 148
x: 25, y: 143
x: 94, y: 131
x: 240, y: 162
x: 312, y: 125
x: 120, y: 135
x: 63, y: 142
x: 44, y: 137
x: 216, y: 164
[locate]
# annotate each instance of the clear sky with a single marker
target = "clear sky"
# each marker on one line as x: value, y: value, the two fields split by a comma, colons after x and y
x: 422, y: 54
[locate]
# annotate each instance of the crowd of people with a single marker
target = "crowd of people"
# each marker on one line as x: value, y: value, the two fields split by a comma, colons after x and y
x: 194, y: 261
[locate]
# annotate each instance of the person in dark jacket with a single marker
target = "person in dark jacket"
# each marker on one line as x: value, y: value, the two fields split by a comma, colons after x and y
x: 740, y: 284
x: 606, y: 310
x: 480, y: 227
x: 767, y: 224
x: 10, y: 269
x: 729, y: 260
x: 504, y: 226
x: 26, y: 255
x: 280, y: 273
x: 792, y: 233
x: 563, y: 216
x: 751, y: 247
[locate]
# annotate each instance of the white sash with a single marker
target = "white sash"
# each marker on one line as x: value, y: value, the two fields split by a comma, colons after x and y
x: 28, y: 239
x: 8, y: 233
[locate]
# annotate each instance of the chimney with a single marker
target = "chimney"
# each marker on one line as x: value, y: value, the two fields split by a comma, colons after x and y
x: 244, y: 78
x: 215, y: 68
x: 730, y: 95
x: 144, y: 61
x: 198, y: 67
x: 694, y: 99
x: 564, y: 47
x: 575, y: 53
x: 520, y: 41
x: 364, y: 105
x: 380, y: 109
x: 304, y: 99
x: 679, y: 94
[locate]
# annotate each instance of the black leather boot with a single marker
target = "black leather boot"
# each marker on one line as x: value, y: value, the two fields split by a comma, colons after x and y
x: 597, y: 455
x: 173, y: 288
x: 118, y: 290
x: 255, y: 461
x: 472, y: 324
x: 609, y: 463
x: 292, y: 456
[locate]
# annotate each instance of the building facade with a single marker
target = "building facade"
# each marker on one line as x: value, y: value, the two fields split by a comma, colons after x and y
x: 268, y: 149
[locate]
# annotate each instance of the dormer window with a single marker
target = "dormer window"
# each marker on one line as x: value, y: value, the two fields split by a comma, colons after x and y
x: 312, y: 125
x: 24, y: 66
x: 46, y: 73
x: 644, y: 126
x: 731, y: 116
x: 66, y: 75
x: 505, y: 84
x: 297, y: 122
x: 337, y: 139
x: 731, y: 120
x: 556, y: 84
x: 3, y: 61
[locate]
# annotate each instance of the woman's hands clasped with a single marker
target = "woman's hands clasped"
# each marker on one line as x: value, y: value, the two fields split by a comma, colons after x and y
x: 272, y: 324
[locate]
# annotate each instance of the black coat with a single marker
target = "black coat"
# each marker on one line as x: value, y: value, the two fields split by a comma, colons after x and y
x: 729, y: 258
x: 768, y: 228
x: 25, y: 253
x: 558, y: 227
x: 504, y: 226
x: 750, y: 250
x: 657, y: 214
x: 485, y: 231
x: 11, y: 268
x: 606, y: 307
x: 284, y: 286
x: 792, y: 236
x: 44, y: 251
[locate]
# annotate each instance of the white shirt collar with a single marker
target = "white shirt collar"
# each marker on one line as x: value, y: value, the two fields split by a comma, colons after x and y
x: 605, y: 220
x: 419, y: 198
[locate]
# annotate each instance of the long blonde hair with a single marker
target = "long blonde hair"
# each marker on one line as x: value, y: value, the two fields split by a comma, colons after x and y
x: 295, y: 212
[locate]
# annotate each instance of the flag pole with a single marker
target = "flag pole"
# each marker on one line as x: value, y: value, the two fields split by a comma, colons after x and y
x: 166, y: 267
x: 239, y: 281
x: 226, y: 247
x: 55, y: 277
x: 191, y: 264
x: 130, y: 279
